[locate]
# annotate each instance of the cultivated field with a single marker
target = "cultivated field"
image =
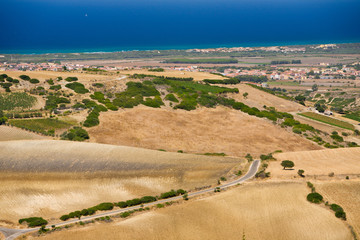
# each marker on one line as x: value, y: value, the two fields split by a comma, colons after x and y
x: 173, y: 73
x: 256, y: 211
x: 342, y: 162
x: 49, y: 178
x: 258, y: 98
x: 328, y: 120
x: 200, y: 131
x: 346, y: 194
x: 12, y: 133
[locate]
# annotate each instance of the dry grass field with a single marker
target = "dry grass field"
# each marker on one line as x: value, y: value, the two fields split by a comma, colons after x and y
x: 12, y: 133
x: 258, y: 98
x: 343, y: 162
x: 199, y: 131
x: 50, y: 178
x: 257, y: 210
x: 346, y: 194
x: 173, y: 73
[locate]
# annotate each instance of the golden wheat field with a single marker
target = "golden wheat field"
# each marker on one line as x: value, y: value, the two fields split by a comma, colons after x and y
x: 343, y: 161
x: 256, y: 211
x: 345, y: 193
x: 199, y: 131
x: 50, y: 178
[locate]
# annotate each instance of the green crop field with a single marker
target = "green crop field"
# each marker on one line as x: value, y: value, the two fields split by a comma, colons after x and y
x: 353, y: 116
x: 328, y: 120
x: 45, y: 125
x: 276, y: 83
x: 11, y: 101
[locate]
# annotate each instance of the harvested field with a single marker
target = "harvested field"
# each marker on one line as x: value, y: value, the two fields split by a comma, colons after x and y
x: 220, y: 130
x: 12, y: 133
x: 50, y: 178
x: 343, y: 161
x: 258, y: 98
x: 257, y: 211
x: 172, y: 73
x: 346, y: 194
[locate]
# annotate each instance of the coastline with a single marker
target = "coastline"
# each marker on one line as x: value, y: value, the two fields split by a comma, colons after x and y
x: 100, y: 50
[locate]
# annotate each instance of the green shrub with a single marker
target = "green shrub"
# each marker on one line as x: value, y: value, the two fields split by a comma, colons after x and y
x: 159, y: 205
x: 24, y: 77
x: 125, y: 214
x: 336, y: 207
x: 171, y: 97
x: 105, y: 206
x: 148, y: 199
x: 155, y: 103
x: 314, y: 197
x: 71, y: 79
x: 55, y: 87
x: 34, y: 81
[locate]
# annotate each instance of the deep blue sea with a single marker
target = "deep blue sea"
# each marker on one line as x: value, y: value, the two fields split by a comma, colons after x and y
x: 48, y: 26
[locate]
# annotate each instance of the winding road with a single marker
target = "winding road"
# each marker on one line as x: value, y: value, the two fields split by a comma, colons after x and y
x: 11, y: 234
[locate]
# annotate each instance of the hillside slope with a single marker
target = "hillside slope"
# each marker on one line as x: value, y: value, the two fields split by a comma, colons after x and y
x: 258, y: 98
x: 50, y: 178
x: 203, y: 130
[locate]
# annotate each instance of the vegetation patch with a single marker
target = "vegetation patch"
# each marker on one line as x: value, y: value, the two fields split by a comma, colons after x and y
x: 11, y: 101
x: 34, y: 221
x: 75, y: 134
x: 46, y: 126
x: 77, y: 87
x: 314, y: 197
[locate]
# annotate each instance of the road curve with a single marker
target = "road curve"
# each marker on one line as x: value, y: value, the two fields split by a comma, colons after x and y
x: 11, y: 234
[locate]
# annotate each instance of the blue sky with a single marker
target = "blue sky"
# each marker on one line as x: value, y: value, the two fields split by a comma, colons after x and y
x: 53, y: 24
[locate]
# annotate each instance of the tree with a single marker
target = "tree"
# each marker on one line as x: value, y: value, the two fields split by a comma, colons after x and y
x: 315, y: 87
x: 245, y: 94
x: 301, y: 173
x: 287, y: 164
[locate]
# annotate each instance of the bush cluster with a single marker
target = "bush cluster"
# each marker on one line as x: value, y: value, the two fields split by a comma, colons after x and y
x: 77, y: 87
x: 71, y: 79
x: 33, y: 221
x: 53, y: 101
x: 75, y: 134
x: 88, y: 211
x: 314, y: 197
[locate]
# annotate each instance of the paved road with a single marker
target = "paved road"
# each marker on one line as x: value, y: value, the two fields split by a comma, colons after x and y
x: 11, y: 234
